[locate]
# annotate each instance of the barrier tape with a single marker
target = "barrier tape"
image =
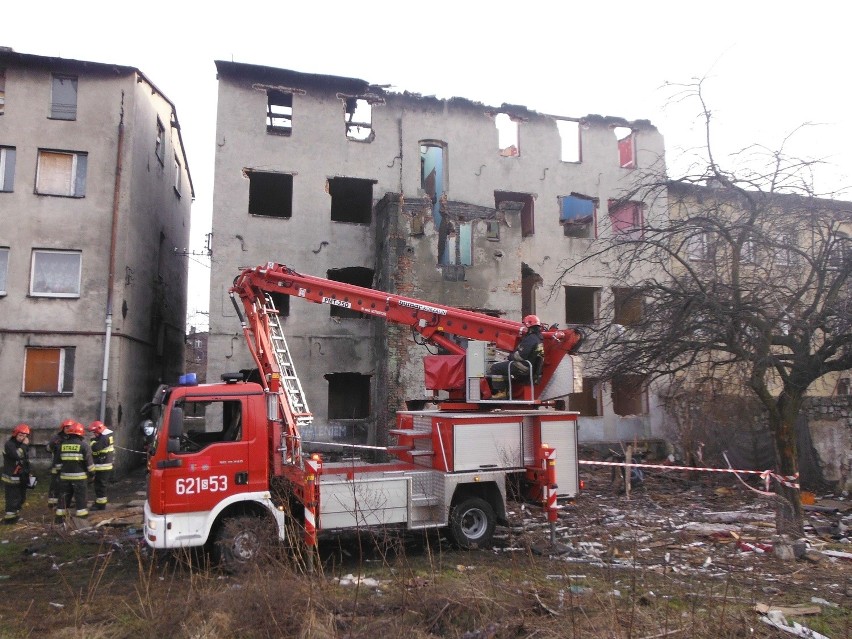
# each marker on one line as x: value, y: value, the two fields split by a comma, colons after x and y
x: 790, y: 481
x: 130, y: 450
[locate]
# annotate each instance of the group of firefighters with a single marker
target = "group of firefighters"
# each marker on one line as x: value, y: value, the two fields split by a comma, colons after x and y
x: 75, y: 462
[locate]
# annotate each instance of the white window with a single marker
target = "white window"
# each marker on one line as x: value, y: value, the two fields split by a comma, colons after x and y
x: 55, y: 273
x: 61, y: 173
x: 698, y: 247
x: 177, y: 175
x: 161, y: 141
x: 4, y: 268
x: 49, y: 370
x: 7, y: 169
x: 63, y: 99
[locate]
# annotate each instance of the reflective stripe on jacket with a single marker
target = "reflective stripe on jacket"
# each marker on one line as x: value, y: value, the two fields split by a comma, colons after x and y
x: 73, y: 459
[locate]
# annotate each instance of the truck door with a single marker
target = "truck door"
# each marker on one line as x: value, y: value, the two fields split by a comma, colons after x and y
x: 212, y: 461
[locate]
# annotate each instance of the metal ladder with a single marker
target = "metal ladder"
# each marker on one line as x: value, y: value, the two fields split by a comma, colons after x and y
x: 289, y: 379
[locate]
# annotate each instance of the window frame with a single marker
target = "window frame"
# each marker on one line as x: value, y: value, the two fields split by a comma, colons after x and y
x: 8, y: 156
x: 160, y: 144
x: 64, y: 371
x: 2, y: 90
x: 36, y: 252
x: 635, y: 230
x: 77, y: 177
x: 4, y: 269
x: 569, y: 224
x: 177, y: 175
x: 272, y: 117
x: 57, y: 108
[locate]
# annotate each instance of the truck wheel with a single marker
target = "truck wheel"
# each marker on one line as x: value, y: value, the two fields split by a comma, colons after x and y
x: 472, y: 523
x: 240, y: 540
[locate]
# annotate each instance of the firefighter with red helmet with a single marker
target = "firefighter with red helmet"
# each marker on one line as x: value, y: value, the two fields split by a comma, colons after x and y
x: 73, y: 460
x: 103, y: 452
x: 16, y: 471
x: 529, y: 351
x: 51, y: 447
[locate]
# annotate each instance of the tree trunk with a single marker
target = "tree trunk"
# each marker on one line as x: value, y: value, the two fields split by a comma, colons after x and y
x: 789, y: 517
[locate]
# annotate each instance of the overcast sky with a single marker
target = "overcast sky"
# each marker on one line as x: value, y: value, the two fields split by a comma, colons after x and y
x: 770, y: 66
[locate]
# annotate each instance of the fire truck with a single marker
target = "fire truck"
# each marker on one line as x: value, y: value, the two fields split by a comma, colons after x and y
x: 227, y: 459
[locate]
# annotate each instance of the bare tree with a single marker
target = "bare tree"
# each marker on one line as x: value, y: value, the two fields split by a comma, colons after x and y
x: 744, y: 281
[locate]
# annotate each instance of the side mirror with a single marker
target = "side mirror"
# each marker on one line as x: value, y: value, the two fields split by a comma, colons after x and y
x: 173, y: 446
x: 176, y: 422
x: 147, y: 428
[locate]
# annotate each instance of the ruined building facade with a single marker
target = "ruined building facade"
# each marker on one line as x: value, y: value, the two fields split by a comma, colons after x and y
x: 95, y: 195
x: 451, y: 201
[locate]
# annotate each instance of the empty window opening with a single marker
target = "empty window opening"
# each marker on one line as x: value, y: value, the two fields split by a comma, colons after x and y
x: 502, y: 201
x: 629, y: 396
x: 507, y: 135
x: 492, y: 230
x: 4, y: 268
x: 160, y: 144
x: 281, y: 302
x: 626, y: 139
x: 348, y: 395
x: 61, y: 173
x: 358, y: 117
x: 530, y: 281
x: 270, y: 194
x: 459, y: 245
x: 569, y: 134
x: 49, y: 370
x: 588, y: 402
x: 627, y: 306
x: 55, y: 273
x: 7, y: 169
x: 577, y: 215
x: 626, y: 218
x: 357, y: 275
x: 351, y: 200
x: 582, y: 304
x: 279, y: 112
x: 433, y: 182
x: 63, y: 99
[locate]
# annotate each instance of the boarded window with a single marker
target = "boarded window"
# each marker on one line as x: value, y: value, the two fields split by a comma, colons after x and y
x: 270, y: 194
x: 626, y: 218
x: 569, y: 133
x: 160, y: 144
x: 279, y: 112
x: 627, y: 306
x: 351, y: 200
x: 7, y: 169
x: 63, y: 98
x: 589, y: 401
x: 358, y: 117
x: 629, y: 396
x: 577, y: 215
x: 504, y: 201
x: 348, y: 396
x: 55, y: 273
x: 356, y: 275
x: 4, y: 268
x: 582, y: 304
x: 626, y: 147
x: 48, y: 370
x: 61, y: 173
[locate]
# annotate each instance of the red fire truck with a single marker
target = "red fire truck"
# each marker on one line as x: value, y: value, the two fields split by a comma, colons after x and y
x: 228, y: 458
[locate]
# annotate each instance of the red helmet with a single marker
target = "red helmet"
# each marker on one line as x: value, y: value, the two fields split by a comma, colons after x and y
x: 531, y: 320
x: 73, y: 428
x: 97, y: 427
x: 19, y: 429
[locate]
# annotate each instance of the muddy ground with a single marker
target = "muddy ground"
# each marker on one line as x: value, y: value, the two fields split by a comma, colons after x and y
x: 678, y: 557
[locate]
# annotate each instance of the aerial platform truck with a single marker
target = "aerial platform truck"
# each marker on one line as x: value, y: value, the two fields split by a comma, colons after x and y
x: 227, y: 458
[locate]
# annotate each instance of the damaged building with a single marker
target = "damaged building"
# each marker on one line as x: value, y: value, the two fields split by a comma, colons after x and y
x: 447, y: 200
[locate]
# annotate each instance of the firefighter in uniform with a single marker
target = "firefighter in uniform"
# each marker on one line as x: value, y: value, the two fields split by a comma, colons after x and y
x: 73, y: 459
x: 103, y: 453
x: 16, y: 471
x: 51, y: 448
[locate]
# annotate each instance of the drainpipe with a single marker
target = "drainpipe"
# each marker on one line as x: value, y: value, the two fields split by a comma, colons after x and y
x: 112, y: 242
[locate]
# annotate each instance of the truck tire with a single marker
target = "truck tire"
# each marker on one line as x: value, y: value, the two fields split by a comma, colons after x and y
x: 240, y: 540
x: 472, y: 523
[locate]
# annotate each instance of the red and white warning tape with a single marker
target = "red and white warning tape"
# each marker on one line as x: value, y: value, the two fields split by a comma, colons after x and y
x: 791, y: 481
